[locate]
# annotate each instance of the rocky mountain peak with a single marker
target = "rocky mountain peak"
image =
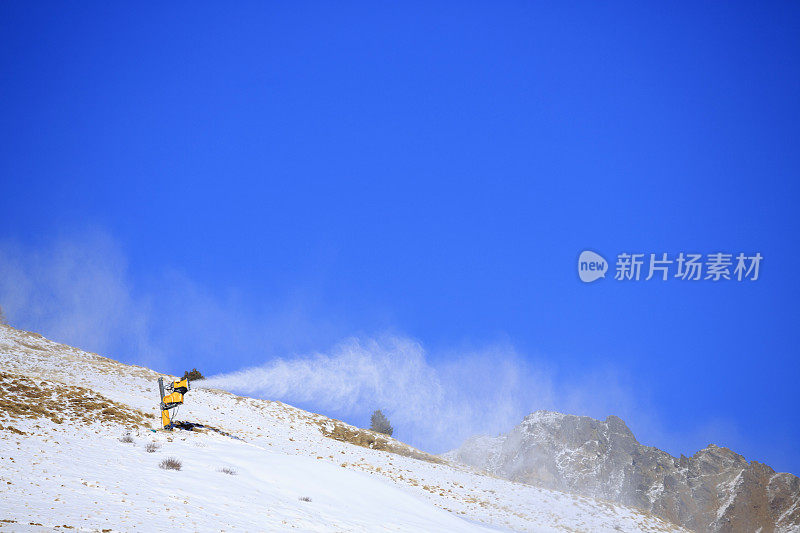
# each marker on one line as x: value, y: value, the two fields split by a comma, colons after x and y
x: 617, y: 425
x: 714, y: 490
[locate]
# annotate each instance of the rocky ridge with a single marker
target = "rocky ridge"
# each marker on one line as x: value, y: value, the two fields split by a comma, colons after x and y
x: 715, y: 490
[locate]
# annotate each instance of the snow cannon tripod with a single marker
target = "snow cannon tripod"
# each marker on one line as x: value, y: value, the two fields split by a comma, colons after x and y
x: 176, y: 390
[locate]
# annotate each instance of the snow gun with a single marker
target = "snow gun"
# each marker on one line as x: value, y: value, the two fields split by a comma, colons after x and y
x: 172, y: 399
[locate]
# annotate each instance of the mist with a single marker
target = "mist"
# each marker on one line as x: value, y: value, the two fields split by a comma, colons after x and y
x: 430, y: 405
x: 434, y: 403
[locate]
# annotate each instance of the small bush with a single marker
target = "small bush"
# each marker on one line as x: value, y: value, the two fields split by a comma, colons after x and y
x: 228, y: 470
x: 305, y: 499
x: 126, y: 438
x: 151, y: 447
x: 2, y: 317
x: 379, y: 423
x: 193, y: 375
x: 170, y: 463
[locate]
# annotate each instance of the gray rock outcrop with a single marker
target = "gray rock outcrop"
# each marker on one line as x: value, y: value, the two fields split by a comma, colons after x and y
x: 715, y: 490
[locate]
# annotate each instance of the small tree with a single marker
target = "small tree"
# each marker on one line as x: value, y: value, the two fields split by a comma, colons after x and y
x: 2, y: 316
x: 193, y: 375
x: 379, y: 423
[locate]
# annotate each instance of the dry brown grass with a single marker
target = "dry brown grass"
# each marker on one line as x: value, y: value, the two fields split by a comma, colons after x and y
x: 12, y: 429
x: 22, y: 397
x: 373, y: 440
x: 152, y: 447
x: 170, y: 463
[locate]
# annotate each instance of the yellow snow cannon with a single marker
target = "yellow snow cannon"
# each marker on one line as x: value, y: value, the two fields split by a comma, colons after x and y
x: 171, y: 398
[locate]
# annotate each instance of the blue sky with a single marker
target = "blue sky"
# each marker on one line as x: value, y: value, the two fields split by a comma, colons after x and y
x: 307, y: 172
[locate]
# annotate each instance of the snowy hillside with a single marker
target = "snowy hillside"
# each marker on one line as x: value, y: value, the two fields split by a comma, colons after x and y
x: 64, y: 465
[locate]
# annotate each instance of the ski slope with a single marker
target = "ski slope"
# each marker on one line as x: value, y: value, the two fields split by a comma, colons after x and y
x: 64, y: 465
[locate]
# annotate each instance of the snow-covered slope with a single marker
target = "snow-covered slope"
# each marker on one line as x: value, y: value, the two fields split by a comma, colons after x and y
x: 63, y: 411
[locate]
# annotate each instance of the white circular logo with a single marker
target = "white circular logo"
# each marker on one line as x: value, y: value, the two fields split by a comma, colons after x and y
x: 591, y: 266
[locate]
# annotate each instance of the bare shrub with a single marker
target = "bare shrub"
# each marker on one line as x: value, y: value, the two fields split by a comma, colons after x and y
x: 126, y: 438
x: 170, y: 463
x: 151, y: 447
x: 228, y: 470
x: 304, y: 499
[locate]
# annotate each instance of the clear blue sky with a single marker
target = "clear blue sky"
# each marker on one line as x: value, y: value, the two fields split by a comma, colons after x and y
x: 435, y: 168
